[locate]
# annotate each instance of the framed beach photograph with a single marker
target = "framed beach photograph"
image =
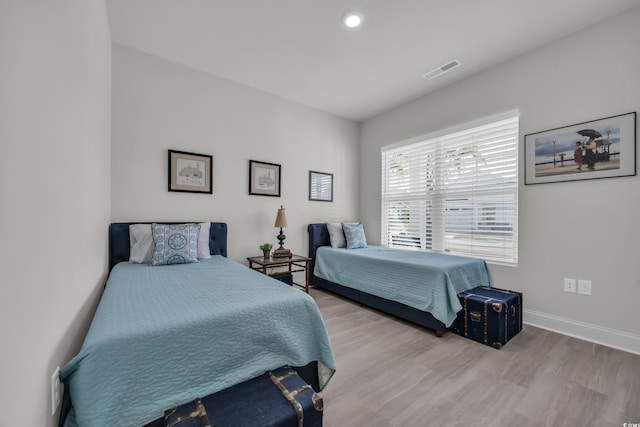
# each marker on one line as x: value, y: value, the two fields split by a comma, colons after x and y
x: 320, y: 186
x: 603, y: 148
x: 264, y: 179
x: 190, y: 172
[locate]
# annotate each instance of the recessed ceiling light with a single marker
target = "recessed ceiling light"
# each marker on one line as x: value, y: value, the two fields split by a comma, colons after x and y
x: 352, y: 19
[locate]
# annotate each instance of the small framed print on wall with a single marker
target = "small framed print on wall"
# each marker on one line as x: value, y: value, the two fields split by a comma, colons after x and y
x: 320, y: 186
x: 264, y: 179
x: 190, y: 172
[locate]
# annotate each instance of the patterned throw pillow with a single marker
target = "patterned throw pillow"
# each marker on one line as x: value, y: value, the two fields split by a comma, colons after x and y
x: 175, y: 244
x: 354, y: 233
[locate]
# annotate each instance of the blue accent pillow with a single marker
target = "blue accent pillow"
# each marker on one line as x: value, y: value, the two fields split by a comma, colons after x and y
x: 175, y: 243
x: 354, y: 233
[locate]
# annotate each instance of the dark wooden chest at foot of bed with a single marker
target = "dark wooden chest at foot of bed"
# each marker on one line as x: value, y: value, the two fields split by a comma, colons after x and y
x: 279, y: 398
x: 490, y: 316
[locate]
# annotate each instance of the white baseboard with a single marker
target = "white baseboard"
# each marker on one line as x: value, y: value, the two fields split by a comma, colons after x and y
x: 597, y: 334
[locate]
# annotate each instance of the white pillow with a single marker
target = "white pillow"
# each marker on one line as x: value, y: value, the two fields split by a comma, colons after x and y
x: 204, y: 252
x: 140, y: 243
x: 336, y: 234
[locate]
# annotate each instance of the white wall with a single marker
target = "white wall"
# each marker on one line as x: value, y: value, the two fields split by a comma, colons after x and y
x: 581, y: 230
x: 159, y: 105
x: 55, y: 77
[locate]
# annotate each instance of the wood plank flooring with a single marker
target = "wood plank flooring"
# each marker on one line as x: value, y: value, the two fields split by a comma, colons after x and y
x: 391, y: 373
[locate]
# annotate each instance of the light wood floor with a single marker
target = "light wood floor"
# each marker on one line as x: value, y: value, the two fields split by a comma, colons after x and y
x: 391, y: 373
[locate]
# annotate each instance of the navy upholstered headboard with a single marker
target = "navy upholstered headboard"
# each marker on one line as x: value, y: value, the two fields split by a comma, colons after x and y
x: 318, y: 236
x: 119, y: 240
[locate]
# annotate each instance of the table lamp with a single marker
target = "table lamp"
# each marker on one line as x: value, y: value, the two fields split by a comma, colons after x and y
x: 281, y: 222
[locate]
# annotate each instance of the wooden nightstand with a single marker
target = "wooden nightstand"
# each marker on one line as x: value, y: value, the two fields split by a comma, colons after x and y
x: 294, y: 264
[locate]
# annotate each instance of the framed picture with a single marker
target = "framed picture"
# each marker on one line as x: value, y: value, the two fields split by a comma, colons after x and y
x: 264, y: 179
x: 320, y: 186
x: 603, y: 148
x: 190, y: 172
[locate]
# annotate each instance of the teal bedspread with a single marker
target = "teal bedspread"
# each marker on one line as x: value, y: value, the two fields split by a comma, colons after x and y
x: 162, y: 336
x: 425, y: 281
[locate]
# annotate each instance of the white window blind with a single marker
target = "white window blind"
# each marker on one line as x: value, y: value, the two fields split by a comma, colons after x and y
x: 455, y: 193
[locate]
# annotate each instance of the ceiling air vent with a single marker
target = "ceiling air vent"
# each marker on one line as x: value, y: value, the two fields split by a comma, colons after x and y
x: 441, y: 70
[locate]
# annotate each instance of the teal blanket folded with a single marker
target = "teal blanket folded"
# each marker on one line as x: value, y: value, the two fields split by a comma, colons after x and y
x: 163, y: 336
x: 425, y: 281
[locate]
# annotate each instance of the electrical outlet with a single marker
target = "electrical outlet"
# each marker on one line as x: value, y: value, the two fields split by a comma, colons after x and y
x: 570, y: 285
x: 584, y: 287
x: 55, y: 390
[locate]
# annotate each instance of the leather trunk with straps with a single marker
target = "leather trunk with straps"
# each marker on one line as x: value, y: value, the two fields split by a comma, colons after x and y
x: 490, y: 316
x: 279, y: 398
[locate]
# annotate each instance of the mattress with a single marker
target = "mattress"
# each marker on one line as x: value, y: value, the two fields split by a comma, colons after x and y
x: 425, y: 281
x: 164, y: 335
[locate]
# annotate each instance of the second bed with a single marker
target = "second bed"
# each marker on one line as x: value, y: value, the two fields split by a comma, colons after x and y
x: 417, y: 286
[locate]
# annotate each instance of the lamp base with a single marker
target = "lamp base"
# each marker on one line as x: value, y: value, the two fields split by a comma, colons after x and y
x: 281, y: 238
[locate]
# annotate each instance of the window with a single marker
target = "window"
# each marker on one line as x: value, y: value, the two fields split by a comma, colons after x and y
x: 455, y: 192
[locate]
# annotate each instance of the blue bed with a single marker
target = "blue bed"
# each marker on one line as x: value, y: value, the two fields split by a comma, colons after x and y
x: 416, y: 286
x: 165, y: 335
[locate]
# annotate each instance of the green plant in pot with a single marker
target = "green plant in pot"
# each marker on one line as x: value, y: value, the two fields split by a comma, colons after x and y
x: 266, y: 249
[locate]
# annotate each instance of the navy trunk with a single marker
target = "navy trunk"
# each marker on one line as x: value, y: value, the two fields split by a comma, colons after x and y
x: 279, y: 398
x: 490, y: 316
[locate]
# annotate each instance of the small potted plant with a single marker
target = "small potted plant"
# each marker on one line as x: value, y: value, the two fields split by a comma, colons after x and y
x: 266, y: 249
